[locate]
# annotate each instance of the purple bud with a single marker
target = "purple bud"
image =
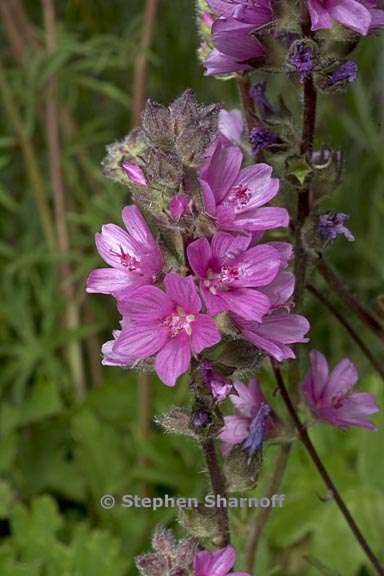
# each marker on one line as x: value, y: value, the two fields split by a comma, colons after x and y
x: 344, y: 74
x: 134, y: 173
x: 331, y: 225
x: 261, y: 138
x: 264, y: 107
x: 302, y: 58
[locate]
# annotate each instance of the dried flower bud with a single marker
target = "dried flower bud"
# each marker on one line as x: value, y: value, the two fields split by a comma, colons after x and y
x: 338, y: 77
x: 163, y: 541
x: 302, y: 57
x: 176, y: 421
x: 184, y: 111
x: 186, y: 551
x: 163, y: 168
x: 157, y: 122
x: 201, y: 522
x: 240, y: 471
x: 152, y: 565
x: 261, y: 139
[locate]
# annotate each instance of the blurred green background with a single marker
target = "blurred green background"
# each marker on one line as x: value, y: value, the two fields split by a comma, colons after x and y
x: 59, y: 453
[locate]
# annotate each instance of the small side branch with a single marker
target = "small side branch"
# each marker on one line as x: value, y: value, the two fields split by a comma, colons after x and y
x: 307, y: 442
x: 349, y: 328
x: 344, y: 292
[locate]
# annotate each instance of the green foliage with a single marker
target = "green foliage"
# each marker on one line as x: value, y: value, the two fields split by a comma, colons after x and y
x: 58, y: 456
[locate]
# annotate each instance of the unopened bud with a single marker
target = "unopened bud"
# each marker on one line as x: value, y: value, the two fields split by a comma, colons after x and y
x: 157, y: 122
x: 176, y: 421
x: 152, y: 565
x: 163, y: 168
x: 240, y: 471
x: 163, y: 541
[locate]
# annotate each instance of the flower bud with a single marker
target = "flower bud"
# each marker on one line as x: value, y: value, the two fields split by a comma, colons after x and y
x: 152, y: 565
x: 338, y: 77
x: 183, y: 111
x: 163, y: 168
x: 163, y: 541
x: 157, y: 122
x: 240, y: 471
x: 302, y: 57
x: 176, y: 421
x: 201, y: 522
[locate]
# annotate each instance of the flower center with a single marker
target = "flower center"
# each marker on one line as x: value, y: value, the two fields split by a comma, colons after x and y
x: 221, y: 281
x: 338, y: 400
x: 179, y: 321
x: 126, y: 260
x: 239, y: 196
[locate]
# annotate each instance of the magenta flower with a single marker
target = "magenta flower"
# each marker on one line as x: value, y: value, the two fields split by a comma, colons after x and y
x: 134, y: 256
x: 235, y: 197
x: 166, y: 324
x: 230, y: 272
x: 358, y: 15
x: 217, y: 563
x: 329, y: 395
x: 256, y: 12
x: 252, y: 421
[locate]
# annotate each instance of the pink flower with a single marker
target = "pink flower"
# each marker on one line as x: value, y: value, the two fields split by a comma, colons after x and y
x: 251, y: 423
x: 230, y: 272
x: 359, y: 15
x: 234, y: 197
x: 165, y: 324
x: 329, y: 395
x: 134, y: 255
x: 217, y: 563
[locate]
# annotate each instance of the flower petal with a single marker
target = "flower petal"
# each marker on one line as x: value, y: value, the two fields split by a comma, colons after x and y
x: 139, y: 342
x: 112, y: 281
x: 246, y: 302
x: 182, y: 290
x: 174, y: 359
x: 342, y: 378
x: 199, y: 254
x: 351, y: 14
x: 262, y: 219
x: 204, y: 333
x: 147, y: 303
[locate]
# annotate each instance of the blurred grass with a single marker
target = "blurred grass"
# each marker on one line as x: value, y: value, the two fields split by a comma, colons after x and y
x: 57, y: 457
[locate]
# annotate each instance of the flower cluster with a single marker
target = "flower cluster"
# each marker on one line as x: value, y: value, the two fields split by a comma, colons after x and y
x: 239, y: 30
x: 208, y: 258
x: 185, y: 557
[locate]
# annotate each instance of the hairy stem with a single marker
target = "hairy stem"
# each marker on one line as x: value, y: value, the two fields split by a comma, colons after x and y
x: 307, y: 442
x: 349, y: 328
x: 244, y: 85
x: 218, y: 486
x: 344, y: 292
x: 141, y: 61
x: 264, y: 514
x: 72, y: 319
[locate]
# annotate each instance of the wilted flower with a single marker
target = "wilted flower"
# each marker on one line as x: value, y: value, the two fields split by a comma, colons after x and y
x: 134, y: 255
x: 167, y: 325
x: 344, y: 74
x: 263, y: 105
x: 332, y: 224
x: 358, y: 15
x: 230, y: 273
x: 302, y: 58
x: 260, y: 138
x: 234, y: 197
x: 330, y: 396
x: 251, y: 423
x: 217, y: 563
x: 219, y: 386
